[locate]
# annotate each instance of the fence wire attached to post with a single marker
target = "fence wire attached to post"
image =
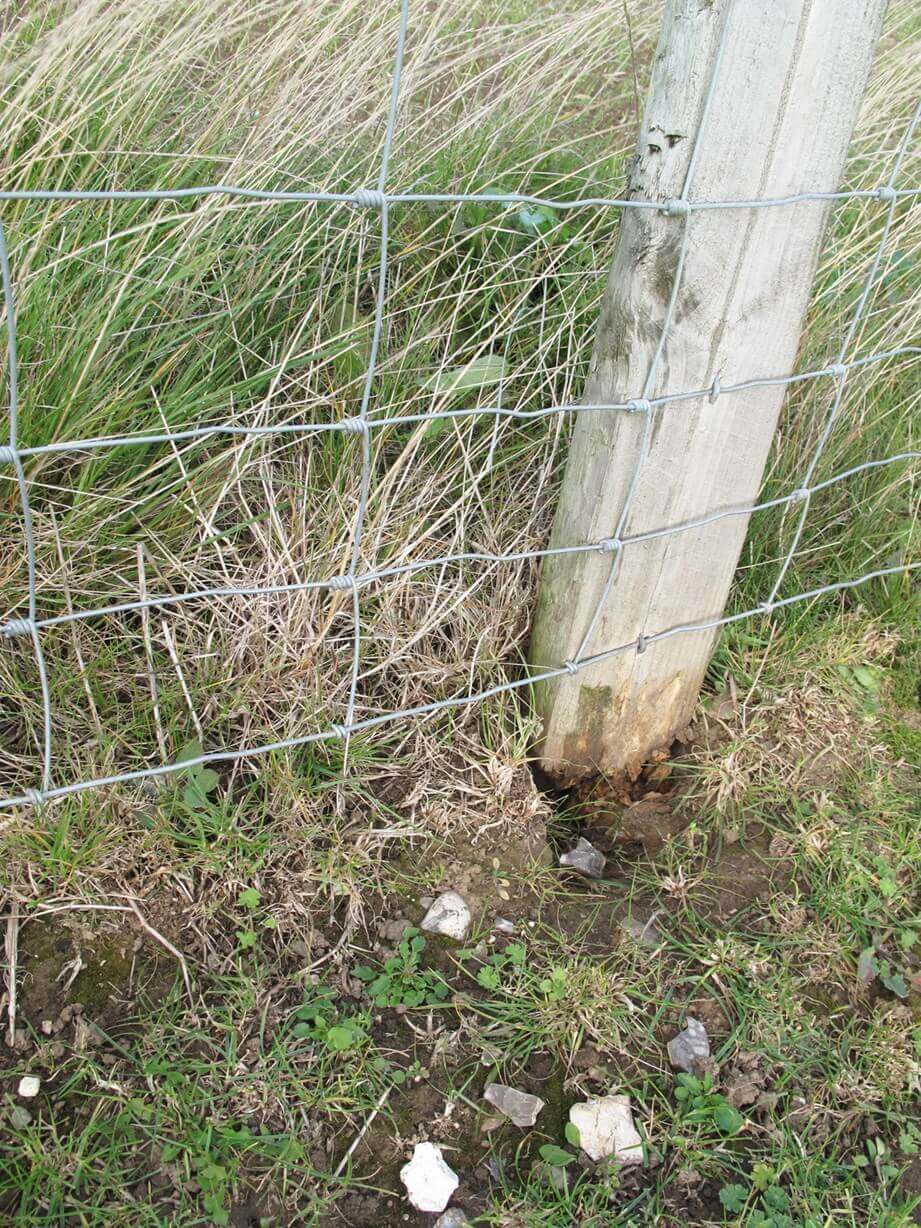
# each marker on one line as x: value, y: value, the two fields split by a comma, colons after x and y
x: 30, y: 625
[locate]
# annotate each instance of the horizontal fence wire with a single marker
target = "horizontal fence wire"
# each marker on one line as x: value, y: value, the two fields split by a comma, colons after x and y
x: 366, y: 422
x: 639, y: 644
x: 609, y: 545
x: 366, y: 198
x: 361, y: 425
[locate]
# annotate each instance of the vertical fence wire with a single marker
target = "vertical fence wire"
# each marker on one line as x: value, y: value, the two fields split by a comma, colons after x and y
x: 888, y: 193
x: 30, y: 623
x: 377, y: 199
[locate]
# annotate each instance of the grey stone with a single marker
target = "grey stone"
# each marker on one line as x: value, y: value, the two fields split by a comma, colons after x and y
x: 452, y: 1218
x: 520, y: 1108
x: 503, y: 925
x: 643, y: 930
x: 584, y: 859
x: 689, y: 1047
x: 29, y: 1086
x: 392, y: 931
x: 606, y: 1129
x: 449, y: 915
x: 558, y: 1178
x: 20, y: 1117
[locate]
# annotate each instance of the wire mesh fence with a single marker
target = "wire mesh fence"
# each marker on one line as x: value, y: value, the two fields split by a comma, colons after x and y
x: 29, y: 623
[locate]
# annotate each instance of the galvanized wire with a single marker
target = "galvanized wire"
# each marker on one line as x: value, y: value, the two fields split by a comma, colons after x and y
x: 366, y: 422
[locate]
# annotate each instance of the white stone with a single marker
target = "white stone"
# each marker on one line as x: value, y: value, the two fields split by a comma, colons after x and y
x: 606, y: 1129
x: 429, y: 1181
x: 29, y: 1086
x: 452, y: 1218
x: 449, y: 915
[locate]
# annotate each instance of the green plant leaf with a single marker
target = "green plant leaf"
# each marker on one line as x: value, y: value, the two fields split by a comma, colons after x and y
x: 551, y: 1154
x: 249, y: 898
x: 191, y: 750
x: 866, y: 677
x: 909, y: 1141
x: 762, y: 1176
x: 479, y: 372
x: 488, y: 977
x: 866, y: 966
x: 342, y: 1037
x: 537, y: 219
x: 776, y: 1198
x: 571, y: 1132
x: 734, y: 1197
x: 728, y: 1119
x: 895, y: 983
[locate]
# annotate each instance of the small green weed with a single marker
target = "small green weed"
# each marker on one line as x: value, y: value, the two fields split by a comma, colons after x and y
x: 200, y: 780
x: 704, y: 1106
x: 771, y: 1202
x: 492, y: 974
x: 403, y: 981
x: 319, y: 1019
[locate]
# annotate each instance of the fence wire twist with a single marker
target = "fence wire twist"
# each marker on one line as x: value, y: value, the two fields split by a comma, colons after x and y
x: 379, y: 200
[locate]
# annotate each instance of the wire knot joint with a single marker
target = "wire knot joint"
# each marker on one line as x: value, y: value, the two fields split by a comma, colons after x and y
x: 886, y: 193
x: 354, y: 426
x: 800, y: 496
x: 838, y: 370
x: 640, y: 405
x: 17, y: 626
x: 35, y: 796
x: 368, y: 198
x: 341, y: 583
x: 677, y: 207
x: 7, y: 455
x: 640, y: 644
x: 610, y: 545
x: 571, y: 668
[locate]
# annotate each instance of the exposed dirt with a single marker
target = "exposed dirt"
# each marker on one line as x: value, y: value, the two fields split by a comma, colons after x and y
x: 740, y: 877
x: 910, y: 1183
x: 81, y: 973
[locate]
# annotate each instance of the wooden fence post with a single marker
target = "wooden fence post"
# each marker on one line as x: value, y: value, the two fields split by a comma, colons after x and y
x: 787, y: 86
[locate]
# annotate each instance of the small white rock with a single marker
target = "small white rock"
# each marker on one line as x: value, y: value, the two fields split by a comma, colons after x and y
x: 29, y: 1086
x: 449, y: 915
x: 606, y: 1129
x: 429, y: 1181
x: 452, y: 1218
